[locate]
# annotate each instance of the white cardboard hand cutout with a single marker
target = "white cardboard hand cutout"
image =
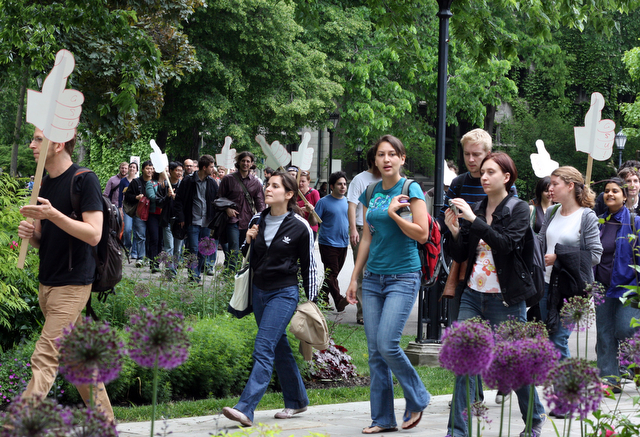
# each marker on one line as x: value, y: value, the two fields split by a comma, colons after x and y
x: 158, y: 159
x: 277, y: 156
x: 541, y: 162
x: 597, y: 136
x: 227, y: 155
x: 56, y: 110
x: 304, y: 156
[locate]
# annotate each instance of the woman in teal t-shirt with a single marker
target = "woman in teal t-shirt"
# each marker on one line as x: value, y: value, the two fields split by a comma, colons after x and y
x: 389, y: 248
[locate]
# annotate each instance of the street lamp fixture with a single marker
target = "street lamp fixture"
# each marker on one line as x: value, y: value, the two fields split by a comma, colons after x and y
x: 621, y: 140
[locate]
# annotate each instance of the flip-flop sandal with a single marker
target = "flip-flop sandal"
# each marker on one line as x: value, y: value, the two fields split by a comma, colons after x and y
x: 379, y: 430
x: 407, y: 417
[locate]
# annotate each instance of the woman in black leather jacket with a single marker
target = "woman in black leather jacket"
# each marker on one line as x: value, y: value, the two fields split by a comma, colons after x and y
x: 490, y: 235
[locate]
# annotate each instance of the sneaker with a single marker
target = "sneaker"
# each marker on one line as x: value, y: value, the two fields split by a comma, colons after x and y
x: 288, y: 413
x: 237, y: 416
x: 210, y: 272
x: 139, y: 263
x: 501, y: 397
x: 536, y: 429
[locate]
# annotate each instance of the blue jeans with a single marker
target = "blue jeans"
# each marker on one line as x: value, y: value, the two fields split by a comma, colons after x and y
x: 560, y: 338
x: 139, y: 237
x: 490, y: 307
x: 196, y: 233
x: 126, y: 236
x: 387, y: 301
x: 235, y: 238
x: 167, y: 240
x: 613, y: 322
x: 273, y: 311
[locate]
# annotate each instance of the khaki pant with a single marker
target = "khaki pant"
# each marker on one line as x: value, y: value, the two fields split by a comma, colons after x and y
x: 61, y: 307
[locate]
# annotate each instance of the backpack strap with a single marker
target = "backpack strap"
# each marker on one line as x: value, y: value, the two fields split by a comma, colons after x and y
x: 370, y: 188
x: 76, y: 214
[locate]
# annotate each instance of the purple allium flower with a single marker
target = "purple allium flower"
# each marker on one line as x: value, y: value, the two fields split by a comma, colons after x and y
x: 512, y: 330
x: 33, y: 417
x: 503, y: 372
x: 574, y: 387
x: 629, y: 351
x: 597, y: 291
x: 191, y: 261
x: 163, y: 257
x: 478, y: 409
x: 86, y: 423
x: 577, y: 313
x: 467, y: 347
x: 158, y: 334
x: 540, y: 357
x: 90, y: 352
x: 207, y: 246
x: 142, y: 289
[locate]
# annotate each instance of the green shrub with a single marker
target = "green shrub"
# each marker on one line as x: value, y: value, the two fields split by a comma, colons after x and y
x: 15, y: 372
x: 20, y: 314
x: 219, y: 360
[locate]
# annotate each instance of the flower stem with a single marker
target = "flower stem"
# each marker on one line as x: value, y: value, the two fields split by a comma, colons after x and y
x: 469, y: 408
x: 529, y: 426
x: 154, y: 398
x: 453, y: 408
x: 501, y: 417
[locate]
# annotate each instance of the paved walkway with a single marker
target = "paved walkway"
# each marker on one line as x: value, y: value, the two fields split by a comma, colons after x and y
x: 349, y: 419
x: 342, y: 420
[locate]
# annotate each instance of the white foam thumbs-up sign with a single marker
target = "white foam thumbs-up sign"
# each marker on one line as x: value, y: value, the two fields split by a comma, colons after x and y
x: 276, y: 155
x: 304, y: 156
x: 227, y: 155
x: 56, y: 110
x: 597, y: 136
x: 541, y: 162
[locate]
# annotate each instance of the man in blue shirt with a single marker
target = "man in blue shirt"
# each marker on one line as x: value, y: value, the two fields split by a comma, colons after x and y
x: 333, y: 237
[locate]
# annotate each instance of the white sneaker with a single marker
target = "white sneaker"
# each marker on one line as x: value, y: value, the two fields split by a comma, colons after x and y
x: 288, y: 413
x: 536, y: 429
x: 501, y: 397
x: 238, y: 416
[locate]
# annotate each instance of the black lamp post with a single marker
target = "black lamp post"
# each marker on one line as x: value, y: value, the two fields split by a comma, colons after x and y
x: 359, y: 153
x: 621, y: 140
x: 433, y: 317
x: 333, y: 118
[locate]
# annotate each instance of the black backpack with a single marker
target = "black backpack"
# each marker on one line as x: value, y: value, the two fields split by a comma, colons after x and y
x: 533, y: 258
x: 108, y: 252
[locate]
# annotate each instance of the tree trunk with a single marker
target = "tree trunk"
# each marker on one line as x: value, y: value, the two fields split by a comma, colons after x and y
x: 489, y: 119
x: 16, y: 132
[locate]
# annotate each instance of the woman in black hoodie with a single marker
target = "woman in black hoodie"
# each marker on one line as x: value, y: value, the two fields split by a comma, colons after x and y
x: 282, y: 244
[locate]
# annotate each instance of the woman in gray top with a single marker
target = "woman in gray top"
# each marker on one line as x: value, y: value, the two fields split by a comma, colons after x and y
x: 570, y: 224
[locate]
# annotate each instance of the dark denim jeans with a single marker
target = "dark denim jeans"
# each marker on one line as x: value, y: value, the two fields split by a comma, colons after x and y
x: 613, y: 324
x: 273, y: 311
x: 235, y: 238
x: 560, y: 338
x: 139, y: 237
x: 194, y: 235
x: 488, y: 306
x: 126, y: 236
x: 387, y: 301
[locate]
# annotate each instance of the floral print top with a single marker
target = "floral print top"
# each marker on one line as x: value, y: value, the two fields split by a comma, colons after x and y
x: 483, y: 276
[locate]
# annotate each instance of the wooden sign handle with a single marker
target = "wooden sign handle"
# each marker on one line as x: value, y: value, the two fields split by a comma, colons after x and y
x: 42, y: 157
x: 166, y: 178
x: 589, y: 166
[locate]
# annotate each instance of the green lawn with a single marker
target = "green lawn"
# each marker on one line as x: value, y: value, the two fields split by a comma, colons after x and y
x: 438, y: 381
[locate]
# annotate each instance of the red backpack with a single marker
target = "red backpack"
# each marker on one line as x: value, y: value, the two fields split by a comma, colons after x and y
x: 429, y: 252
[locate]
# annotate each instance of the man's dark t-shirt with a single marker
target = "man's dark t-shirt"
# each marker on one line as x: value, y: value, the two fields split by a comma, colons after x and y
x: 54, y: 242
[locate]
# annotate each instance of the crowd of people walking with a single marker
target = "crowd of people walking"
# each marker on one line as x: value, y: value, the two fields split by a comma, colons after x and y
x: 384, y: 217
